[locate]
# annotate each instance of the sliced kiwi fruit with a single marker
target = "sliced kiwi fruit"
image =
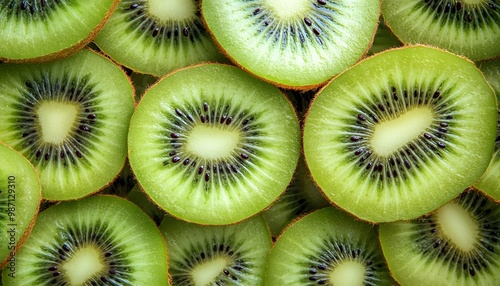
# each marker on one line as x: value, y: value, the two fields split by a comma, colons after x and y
x: 156, y: 37
x: 70, y: 118
x: 97, y: 240
x: 466, y: 27
x: 296, y: 44
x: 44, y: 30
x: 211, y: 144
x: 201, y: 255
x: 20, y: 196
x: 490, y: 181
x: 422, y: 119
x: 327, y: 247
x: 458, y: 244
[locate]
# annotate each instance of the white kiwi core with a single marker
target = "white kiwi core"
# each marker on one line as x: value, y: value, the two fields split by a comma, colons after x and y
x: 288, y: 9
x: 172, y: 9
x: 206, y: 272
x: 85, y: 263
x: 457, y: 225
x: 56, y: 120
x: 389, y: 136
x: 211, y: 142
x: 348, y: 273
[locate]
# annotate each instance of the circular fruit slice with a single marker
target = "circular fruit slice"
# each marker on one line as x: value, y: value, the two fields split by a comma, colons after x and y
x: 212, y: 144
x: 416, y: 131
x: 458, y: 244
x: 98, y: 240
x: 44, y: 30
x: 70, y: 119
x: 327, y: 247
x: 20, y: 196
x: 298, y: 44
x: 217, y: 254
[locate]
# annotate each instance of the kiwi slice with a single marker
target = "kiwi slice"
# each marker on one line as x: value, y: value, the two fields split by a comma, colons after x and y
x: 70, y: 119
x: 490, y: 181
x: 211, y: 144
x: 381, y: 147
x: 20, y: 196
x: 467, y: 27
x: 217, y: 255
x: 296, y: 44
x: 44, y: 30
x: 98, y: 240
x: 458, y: 244
x: 156, y: 36
x: 327, y: 247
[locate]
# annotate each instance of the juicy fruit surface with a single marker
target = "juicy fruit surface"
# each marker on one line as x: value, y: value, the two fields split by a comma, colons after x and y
x: 391, y: 141
x: 211, y: 144
x: 70, y: 119
x: 297, y: 44
x: 20, y: 195
x: 456, y: 245
x: 99, y: 240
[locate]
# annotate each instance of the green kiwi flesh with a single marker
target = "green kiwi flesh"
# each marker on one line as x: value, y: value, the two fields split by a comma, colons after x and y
x: 70, y: 118
x: 381, y: 147
x: 490, y: 181
x: 297, y: 44
x: 327, y: 247
x: 466, y: 27
x: 43, y: 30
x: 98, y: 240
x: 211, y: 144
x: 458, y: 244
x: 20, y: 196
x: 156, y: 37
x: 217, y: 255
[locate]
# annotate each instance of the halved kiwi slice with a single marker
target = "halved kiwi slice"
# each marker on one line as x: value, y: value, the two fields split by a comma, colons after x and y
x: 20, y: 196
x: 70, y: 119
x: 213, y: 145
x: 458, y: 244
x: 467, y: 27
x: 44, y: 30
x: 327, y: 247
x: 217, y: 255
x: 98, y: 240
x: 421, y: 120
x: 298, y: 44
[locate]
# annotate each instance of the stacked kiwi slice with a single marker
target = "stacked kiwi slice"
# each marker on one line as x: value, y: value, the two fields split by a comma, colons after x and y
x: 249, y: 142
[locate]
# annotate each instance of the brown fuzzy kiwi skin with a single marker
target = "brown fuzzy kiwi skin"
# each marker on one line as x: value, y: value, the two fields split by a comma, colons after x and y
x: 70, y: 50
x: 28, y: 230
x: 277, y: 84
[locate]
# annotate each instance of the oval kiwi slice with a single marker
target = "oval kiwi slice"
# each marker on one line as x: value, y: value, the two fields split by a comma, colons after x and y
x: 458, y: 244
x: 327, y: 247
x: 298, y: 44
x: 43, y: 30
x: 421, y: 120
x: 70, y: 119
x: 98, y: 240
x: 211, y: 144
x: 20, y: 196
x: 467, y: 27
x: 217, y: 255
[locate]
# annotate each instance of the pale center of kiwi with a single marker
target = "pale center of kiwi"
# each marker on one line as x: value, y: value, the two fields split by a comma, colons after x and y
x: 83, y: 264
x: 166, y: 10
x: 349, y: 273
x: 288, y: 9
x: 458, y: 226
x: 211, y: 142
x: 206, y: 272
x: 56, y: 120
x: 389, y: 136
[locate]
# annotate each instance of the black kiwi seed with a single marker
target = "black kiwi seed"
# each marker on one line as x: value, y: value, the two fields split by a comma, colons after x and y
x: 471, y: 15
